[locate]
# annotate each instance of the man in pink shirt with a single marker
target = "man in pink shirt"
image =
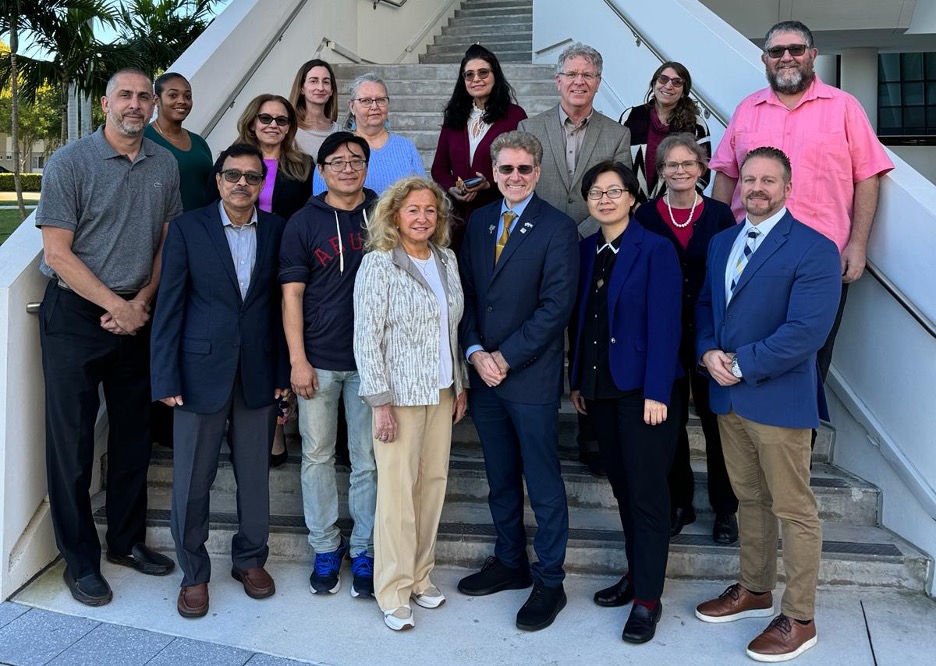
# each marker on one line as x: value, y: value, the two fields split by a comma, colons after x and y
x: 835, y: 153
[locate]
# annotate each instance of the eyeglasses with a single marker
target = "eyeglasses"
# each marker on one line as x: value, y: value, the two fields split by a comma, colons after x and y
x: 341, y: 165
x: 688, y: 165
x: 266, y: 119
x: 677, y: 82
x: 482, y: 74
x: 796, y: 50
x: 587, y: 76
x: 381, y: 102
x: 614, y: 193
x: 234, y: 176
x: 507, y: 169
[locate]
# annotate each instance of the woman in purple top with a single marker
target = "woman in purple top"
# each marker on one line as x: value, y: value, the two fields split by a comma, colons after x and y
x: 481, y: 109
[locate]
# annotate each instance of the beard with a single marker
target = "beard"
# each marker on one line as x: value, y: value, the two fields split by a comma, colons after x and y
x: 791, y: 81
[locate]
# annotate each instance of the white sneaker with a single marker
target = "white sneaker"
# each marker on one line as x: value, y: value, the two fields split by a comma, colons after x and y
x: 399, y: 619
x: 431, y: 597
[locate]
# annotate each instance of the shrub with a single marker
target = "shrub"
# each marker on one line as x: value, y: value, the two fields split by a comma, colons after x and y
x: 31, y: 182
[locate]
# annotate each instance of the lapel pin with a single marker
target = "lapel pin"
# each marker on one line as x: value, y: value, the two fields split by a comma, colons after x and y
x: 491, y: 229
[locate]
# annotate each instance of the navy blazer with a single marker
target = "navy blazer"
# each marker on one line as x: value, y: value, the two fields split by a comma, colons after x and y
x: 644, y: 293
x: 779, y: 317
x: 520, y: 306
x: 203, y: 331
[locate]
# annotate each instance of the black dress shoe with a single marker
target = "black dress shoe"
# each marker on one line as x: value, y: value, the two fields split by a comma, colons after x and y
x: 279, y: 459
x: 680, y: 518
x: 495, y: 576
x: 541, y: 608
x: 91, y: 590
x: 641, y: 625
x: 619, y: 594
x: 725, y: 530
x: 143, y: 559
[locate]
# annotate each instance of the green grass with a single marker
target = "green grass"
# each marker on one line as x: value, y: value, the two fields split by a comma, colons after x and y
x: 9, y: 221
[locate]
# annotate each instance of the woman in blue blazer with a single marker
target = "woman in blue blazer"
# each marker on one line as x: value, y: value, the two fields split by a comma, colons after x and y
x: 626, y: 332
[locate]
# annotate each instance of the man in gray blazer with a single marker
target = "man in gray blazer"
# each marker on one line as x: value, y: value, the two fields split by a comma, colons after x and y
x: 575, y: 137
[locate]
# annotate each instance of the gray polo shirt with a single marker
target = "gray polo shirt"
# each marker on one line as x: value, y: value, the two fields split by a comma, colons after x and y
x: 115, y: 207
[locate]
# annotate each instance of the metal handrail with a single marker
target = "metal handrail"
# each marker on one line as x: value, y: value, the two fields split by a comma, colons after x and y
x: 392, y: 3
x: 901, y: 298
x: 641, y: 40
x: 232, y: 97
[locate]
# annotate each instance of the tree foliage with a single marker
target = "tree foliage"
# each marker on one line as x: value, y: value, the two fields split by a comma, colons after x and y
x: 38, y: 121
x: 160, y: 30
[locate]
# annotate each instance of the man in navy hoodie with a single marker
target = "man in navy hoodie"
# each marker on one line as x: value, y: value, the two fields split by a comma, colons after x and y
x: 319, y: 258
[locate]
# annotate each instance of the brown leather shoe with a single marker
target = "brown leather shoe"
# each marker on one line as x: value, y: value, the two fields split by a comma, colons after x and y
x: 782, y: 640
x: 735, y: 603
x: 193, y: 600
x: 258, y: 584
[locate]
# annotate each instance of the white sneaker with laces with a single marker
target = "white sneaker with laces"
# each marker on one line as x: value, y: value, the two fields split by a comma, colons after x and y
x: 431, y: 597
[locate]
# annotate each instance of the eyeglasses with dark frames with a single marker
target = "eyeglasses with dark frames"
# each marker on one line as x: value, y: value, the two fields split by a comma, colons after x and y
x: 507, y: 169
x: 266, y: 119
x: 614, y: 193
x: 234, y: 176
x: 340, y: 165
x: 381, y: 102
x: 471, y: 74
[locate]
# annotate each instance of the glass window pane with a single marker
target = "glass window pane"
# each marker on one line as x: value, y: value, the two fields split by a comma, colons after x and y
x: 912, y: 94
x: 911, y: 66
x: 889, y: 67
x: 889, y: 94
x: 889, y: 120
x: 931, y: 92
x: 914, y: 120
x: 931, y: 120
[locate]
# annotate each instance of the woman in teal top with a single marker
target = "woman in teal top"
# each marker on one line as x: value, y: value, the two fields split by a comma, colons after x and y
x: 174, y: 103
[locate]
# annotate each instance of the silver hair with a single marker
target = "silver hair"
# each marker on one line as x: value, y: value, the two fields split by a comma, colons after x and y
x: 580, y: 50
x: 368, y: 77
x: 790, y: 26
x: 518, y: 140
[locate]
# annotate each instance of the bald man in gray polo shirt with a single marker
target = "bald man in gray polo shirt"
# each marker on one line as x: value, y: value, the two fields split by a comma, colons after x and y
x: 106, y: 201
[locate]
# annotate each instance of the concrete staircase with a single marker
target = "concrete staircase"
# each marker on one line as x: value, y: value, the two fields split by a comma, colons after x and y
x: 503, y: 26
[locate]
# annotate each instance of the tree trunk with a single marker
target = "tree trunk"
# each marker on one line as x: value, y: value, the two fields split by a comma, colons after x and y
x: 14, y: 105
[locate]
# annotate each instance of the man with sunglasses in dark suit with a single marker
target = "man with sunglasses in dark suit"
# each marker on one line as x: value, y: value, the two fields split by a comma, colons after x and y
x: 519, y: 268
x: 218, y: 354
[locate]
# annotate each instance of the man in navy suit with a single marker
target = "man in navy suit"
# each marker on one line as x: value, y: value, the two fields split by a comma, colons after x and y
x: 218, y: 354
x: 766, y: 308
x: 519, y: 267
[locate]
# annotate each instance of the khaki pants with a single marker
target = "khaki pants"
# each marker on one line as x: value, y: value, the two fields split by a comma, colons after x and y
x: 412, y: 472
x: 769, y: 471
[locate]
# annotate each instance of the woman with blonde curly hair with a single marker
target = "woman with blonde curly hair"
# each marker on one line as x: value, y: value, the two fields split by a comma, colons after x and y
x: 408, y: 302
x: 269, y: 123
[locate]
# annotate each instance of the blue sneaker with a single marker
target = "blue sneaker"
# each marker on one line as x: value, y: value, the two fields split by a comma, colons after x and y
x: 325, y: 570
x: 362, y: 566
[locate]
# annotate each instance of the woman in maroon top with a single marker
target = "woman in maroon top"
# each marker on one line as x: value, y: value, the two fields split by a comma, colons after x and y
x: 689, y: 220
x: 480, y: 110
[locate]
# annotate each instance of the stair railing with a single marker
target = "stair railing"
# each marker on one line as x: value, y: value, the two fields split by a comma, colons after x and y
x: 392, y: 3
x: 419, y: 40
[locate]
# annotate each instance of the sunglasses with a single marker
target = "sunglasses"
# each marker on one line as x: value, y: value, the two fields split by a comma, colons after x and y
x: 482, y: 74
x: 663, y: 79
x: 266, y: 119
x: 796, y: 50
x: 234, y: 176
x: 507, y: 169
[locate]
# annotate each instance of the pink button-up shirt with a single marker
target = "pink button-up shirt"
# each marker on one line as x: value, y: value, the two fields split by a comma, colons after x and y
x: 831, y: 146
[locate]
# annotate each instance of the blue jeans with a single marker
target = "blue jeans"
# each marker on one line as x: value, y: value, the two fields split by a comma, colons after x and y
x: 318, y: 420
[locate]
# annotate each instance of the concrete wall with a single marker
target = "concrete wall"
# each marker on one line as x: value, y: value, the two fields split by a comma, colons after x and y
x: 921, y: 158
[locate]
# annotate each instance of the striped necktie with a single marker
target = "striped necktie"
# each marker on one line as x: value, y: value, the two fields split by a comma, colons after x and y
x: 749, y: 247
x: 509, y: 217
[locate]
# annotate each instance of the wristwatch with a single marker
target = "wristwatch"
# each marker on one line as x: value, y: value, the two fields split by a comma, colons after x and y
x: 735, y: 370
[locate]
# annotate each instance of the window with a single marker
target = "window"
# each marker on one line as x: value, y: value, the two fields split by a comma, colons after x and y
x: 907, y: 94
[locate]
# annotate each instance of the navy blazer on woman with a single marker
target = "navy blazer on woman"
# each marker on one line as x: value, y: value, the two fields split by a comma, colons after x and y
x: 520, y: 306
x: 643, y: 312
x: 203, y: 331
x: 715, y: 217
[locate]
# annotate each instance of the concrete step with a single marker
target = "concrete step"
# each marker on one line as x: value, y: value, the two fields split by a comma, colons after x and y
x: 514, y: 72
x: 442, y: 89
x: 497, y: 40
x: 493, y: 13
x: 475, y: 4
x: 851, y: 555
x: 508, y: 17
x: 502, y: 48
x: 480, y: 30
x: 456, y: 58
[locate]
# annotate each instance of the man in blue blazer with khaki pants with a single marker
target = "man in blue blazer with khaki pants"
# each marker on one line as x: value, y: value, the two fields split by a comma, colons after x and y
x: 519, y: 267
x: 218, y: 355
x: 766, y: 308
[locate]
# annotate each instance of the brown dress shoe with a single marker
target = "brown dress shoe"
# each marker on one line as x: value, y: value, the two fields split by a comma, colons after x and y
x: 193, y: 600
x: 735, y: 603
x: 782, y: 640
x: 258, y: 584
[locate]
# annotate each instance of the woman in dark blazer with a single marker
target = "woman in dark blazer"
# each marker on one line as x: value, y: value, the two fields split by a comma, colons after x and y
x: 690, y: 220
x: 624, y: 363
x: 479, y: 111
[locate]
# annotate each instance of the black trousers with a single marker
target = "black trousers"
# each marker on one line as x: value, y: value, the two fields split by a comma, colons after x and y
x: 78, y: 356
x: 824, y: 357
x: 198, y: 439
x: 637, y: 459
x: 681, y: 481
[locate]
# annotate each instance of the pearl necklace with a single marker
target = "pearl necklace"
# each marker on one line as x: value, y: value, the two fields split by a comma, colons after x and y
x: 695, y: 200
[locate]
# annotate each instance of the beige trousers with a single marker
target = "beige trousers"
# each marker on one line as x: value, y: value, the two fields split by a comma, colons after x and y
x: 412, y: 472
x: 769, y: 471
